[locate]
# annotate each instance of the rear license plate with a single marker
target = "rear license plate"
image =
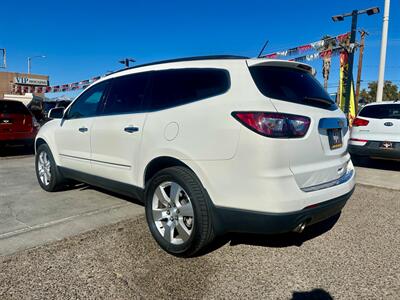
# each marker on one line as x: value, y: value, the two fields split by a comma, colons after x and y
x: 335, y: 138
x: 387, y: 145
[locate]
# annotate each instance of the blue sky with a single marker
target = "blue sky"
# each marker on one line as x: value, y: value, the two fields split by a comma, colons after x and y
x: 83, y: 39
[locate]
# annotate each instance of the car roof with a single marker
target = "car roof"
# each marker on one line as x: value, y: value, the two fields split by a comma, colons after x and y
x: 7, y: 100
x: 218, y: 59
x: 184, y: 59
x: 383, y: 102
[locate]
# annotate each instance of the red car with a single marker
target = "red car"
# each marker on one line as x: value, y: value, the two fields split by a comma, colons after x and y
x: 17, y: 124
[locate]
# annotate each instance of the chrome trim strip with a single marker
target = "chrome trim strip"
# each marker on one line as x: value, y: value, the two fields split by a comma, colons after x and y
x: 346, y: 177
x: 96, y: 161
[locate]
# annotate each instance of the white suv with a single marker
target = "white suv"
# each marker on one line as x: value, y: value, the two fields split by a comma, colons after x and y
x: 209, y: 144
x: 376, y: 131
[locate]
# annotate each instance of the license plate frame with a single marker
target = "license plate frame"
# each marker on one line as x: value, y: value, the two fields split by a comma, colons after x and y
x: 335, y: 138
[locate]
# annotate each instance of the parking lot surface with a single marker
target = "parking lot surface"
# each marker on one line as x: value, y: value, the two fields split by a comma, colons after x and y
x: 356, y: 259
x: 30, y: 216
x: 87, y: 243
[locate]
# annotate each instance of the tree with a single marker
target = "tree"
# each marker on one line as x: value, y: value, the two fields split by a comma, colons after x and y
x: 390, y: 92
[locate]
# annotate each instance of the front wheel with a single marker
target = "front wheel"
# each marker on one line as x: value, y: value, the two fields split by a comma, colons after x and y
x: 47, y: 172
x: 178, y: 211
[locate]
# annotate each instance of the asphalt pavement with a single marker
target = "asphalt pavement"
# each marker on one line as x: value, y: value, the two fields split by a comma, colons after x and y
x: 357, y: 258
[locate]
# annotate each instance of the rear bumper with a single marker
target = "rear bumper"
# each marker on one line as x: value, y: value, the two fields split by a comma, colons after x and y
x: 373, y: 150
x: 236, y: 220
x: 17, y: 137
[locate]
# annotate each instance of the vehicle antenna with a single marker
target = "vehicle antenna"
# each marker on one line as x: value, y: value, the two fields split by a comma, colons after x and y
x: 263, y: 48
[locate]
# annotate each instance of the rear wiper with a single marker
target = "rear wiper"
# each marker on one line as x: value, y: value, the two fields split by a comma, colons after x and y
x: 320, y: 100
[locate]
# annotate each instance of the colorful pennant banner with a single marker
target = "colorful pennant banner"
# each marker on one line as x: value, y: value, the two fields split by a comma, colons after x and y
x: 17, y: 88
x: 308, y: 47
x: 327, y: 53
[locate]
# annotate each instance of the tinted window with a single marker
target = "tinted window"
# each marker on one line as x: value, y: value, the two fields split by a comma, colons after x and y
x: 291, y: 85
x: 13, y: 107
x: 127, y: 94
x: 88, y: 103
x: 180, y: 86
x: 381, y: 111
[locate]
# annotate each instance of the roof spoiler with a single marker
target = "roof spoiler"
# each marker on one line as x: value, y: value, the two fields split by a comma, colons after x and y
x: 281, y: 63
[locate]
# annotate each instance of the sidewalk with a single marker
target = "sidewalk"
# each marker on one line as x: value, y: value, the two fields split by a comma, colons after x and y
x: 379, y: 178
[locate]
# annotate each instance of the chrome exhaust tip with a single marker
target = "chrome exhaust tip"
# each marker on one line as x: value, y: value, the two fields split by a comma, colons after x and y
x: 300, y: 228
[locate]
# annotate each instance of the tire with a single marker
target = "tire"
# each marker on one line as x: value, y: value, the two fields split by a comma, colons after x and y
x: 46, y: 167
x: 191, y: 230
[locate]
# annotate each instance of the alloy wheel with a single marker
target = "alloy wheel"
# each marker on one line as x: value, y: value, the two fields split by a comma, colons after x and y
x: 44, y: 168
x: 173, y: 212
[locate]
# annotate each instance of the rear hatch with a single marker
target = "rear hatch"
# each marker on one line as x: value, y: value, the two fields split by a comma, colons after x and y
x: 383, y: 123
x: 14, y: 117
x: 321, y: 155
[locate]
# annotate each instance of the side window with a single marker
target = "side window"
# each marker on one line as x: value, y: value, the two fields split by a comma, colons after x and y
x: 127, y: 94
x: 180, y: 86
x: 88, y: 103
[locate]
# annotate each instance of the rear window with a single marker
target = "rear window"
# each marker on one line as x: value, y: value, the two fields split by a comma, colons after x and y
x: 292, y: 85
x: 180, y: 86
x: 13, y: 107
x: 381, y: 111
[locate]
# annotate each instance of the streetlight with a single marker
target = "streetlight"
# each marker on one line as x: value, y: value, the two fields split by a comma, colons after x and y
x: 354, y: 14
x: 126, y: 61
x: 30, y: 59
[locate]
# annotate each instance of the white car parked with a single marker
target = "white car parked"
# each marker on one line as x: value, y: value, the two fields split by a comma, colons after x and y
x: 209, y: 144
x: 376, y: 131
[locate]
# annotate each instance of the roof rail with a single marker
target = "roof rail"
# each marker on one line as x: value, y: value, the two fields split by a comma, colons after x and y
x: 194, y: 58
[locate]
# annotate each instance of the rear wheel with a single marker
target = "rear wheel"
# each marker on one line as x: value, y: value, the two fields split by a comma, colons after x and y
x: 178, y: 211
x: 47, y: 172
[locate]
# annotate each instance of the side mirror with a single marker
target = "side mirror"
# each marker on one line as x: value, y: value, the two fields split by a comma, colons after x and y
x: 56, y: 113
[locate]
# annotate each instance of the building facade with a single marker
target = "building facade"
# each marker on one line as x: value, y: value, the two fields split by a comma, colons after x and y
x: 13, y: 83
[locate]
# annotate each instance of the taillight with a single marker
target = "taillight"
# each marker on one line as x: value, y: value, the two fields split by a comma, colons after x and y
x: 275, y: 125
x: 358, y: 140
x: 360, y: 122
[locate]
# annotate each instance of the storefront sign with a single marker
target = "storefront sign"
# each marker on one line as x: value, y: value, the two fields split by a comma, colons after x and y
x: 30, y: 81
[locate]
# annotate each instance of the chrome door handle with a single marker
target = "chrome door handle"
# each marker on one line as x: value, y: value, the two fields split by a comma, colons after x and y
x: 131, y: 129
x: 83, y: 129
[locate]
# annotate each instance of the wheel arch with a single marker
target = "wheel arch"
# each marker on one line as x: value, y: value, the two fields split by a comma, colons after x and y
x: 41, y: 140
x: 159, y: 163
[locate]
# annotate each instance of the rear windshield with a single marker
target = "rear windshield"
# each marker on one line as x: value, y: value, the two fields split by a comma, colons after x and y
x: 381, y: 111
x: 293, y: 85
x: 13, y: 107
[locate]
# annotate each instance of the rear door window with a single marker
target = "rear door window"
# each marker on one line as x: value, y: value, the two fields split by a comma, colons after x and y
x: 292, y: 85
x: 127, y: 94
x: 13, y: 107
x: 176, y: 87
x: 381, y: 111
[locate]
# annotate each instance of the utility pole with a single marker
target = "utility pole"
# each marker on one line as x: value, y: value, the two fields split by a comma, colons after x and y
x: 126, y: 61
x: 353, y: 33
x: 354, y: 14
x: 363, y: 33
x: 30, y: 61
x: 381, y: 76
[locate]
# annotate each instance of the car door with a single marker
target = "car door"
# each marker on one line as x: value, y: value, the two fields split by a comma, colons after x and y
x: 117, y: 133
x: 73, y: 134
